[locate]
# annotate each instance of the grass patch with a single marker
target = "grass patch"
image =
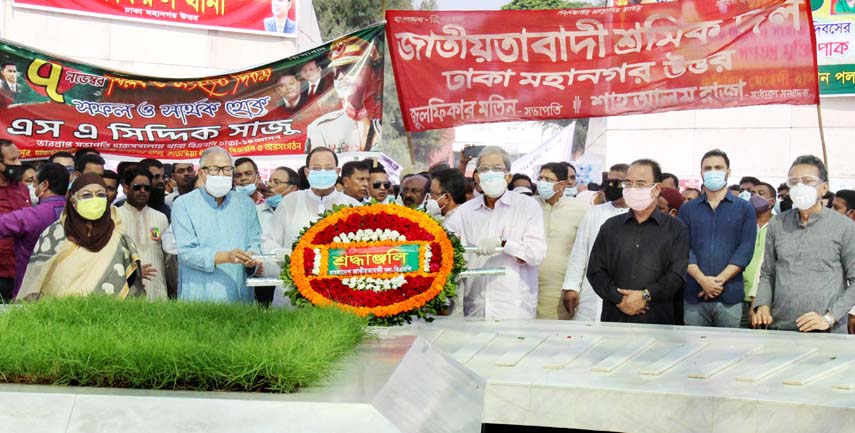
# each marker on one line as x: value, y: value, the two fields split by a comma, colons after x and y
x: 97, y: 341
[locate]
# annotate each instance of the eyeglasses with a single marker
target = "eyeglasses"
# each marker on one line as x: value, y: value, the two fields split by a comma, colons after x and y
x: 811, y: 181
x: 488, y: 168
x: 385, y: 185
x: 637, y: 185
x: 89, y: 195
x: 437, y: 195
x: 277, y: 182
x: 139, y: 187
x: 214, y: 170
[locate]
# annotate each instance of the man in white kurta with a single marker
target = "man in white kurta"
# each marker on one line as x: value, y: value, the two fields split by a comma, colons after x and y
x: 505, y: 221
x: 145, y: 226
x: 561, y: 216
x: 590, y: 306
x: 299, y: 209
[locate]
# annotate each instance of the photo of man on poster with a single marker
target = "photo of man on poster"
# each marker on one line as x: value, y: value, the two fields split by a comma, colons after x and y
x: 280, y: 22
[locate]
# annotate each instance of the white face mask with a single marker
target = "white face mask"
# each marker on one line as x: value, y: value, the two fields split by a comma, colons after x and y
x: 571, y: 192
x: 33, y: 197
x: 804, y: 197
x: 432, y: 208
x: 493, y: 183
x: 218, y: 186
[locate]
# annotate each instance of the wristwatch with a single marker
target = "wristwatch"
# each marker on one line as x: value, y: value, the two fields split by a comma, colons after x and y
x: 645, y: 294
x: 830, y: 319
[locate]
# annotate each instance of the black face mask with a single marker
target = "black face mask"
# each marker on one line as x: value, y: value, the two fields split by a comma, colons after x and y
x: 13, y: 172
x: 786, y: 204
x: 613, y: 191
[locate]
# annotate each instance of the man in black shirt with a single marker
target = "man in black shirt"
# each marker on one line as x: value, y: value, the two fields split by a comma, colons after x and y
x: 639, y: 259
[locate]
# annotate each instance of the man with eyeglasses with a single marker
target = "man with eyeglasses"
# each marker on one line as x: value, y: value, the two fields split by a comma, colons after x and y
x: 217, y: 232
x: 508, y: 229
x: 184, y: 175
x: 561, y: 218
x: 145, y: 226
x: 301, y: 208
x: 578, y: 296
x: 379, y: 187
x: 809, y: 265
x: 354, y: 176
x: 638, y: 262
x: 722, y: 232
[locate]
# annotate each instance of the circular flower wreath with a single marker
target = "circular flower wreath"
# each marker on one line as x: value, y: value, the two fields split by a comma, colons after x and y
x: 385, y: 298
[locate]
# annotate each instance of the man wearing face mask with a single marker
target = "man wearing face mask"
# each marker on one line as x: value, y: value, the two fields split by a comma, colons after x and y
x: 572, y: 188
x: 301, y: 208
x: 746, y: 187
x: 246, y: 179
x: 577, y: 294
x: 283, y: 181
x: 14, y: 195
x: 561, y: 218
x: 26, y: 224
x: 722, y: 232
x: 217, y: 233
x: 638, y: 262
x: 157, y: 198
x: 762, y: 200
x: 808, y: 272
x: 508, y: 229
x: 448, y: 191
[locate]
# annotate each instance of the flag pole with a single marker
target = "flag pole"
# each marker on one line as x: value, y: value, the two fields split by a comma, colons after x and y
x: 822, y: 134
x: 412, y: 149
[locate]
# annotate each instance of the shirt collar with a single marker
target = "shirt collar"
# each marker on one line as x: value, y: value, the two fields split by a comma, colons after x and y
x: 727, y: 197
x: 505, y: 199
x: 315, y: 197
x: 657, y: 216
x: 213, y: 201
x: 814, y: 217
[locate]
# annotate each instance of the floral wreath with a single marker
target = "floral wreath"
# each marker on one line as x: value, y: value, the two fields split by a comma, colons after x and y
x: 386, y: 262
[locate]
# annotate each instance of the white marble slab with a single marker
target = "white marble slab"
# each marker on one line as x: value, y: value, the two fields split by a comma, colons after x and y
x: 716, y: 359
x: 519, y: 351
x: 623, y: 355
x: 673, y: 358
x: 817, y: 367
x: 473, y: 346
x: 561, y: 351
x: 774, y: 362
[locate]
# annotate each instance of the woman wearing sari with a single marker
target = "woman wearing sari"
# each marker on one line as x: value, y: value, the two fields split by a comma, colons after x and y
x: 84, y: 252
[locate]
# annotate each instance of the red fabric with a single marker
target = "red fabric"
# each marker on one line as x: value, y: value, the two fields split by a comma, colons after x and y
x: 461, y: 67
x: 12, y: 197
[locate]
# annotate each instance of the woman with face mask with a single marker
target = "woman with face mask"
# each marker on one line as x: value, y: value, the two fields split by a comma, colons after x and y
x: 84, y: 252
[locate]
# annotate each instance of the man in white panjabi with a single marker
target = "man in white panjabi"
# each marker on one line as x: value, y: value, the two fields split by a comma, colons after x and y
x: 578, y: 295
x: 508, y: 229
x: 299, y: 209
x: 145, y: 226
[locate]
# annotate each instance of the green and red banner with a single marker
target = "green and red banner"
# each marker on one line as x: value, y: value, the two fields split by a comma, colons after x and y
x: 330, y: 96
x: 375, y: 259
x: 273, y: 17
x: 462, y: 67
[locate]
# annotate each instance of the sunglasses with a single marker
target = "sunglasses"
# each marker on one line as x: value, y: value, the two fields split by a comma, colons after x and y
x: 139, y: 187
x: 385, y: 185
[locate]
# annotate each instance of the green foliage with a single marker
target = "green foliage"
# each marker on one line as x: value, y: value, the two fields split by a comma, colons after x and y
x: 98, y: 341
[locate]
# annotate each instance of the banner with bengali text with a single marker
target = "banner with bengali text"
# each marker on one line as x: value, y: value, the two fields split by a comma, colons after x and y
x: 272, y: 17
x: 454, y: 68
x: 834, y: 24
x: 330, y: 96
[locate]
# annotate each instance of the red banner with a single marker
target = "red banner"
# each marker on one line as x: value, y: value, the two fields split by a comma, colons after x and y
x: 248, y: 16
x: 330, y: 96
x: 454, y: 68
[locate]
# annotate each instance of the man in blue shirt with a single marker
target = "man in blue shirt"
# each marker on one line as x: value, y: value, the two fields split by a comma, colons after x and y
x: 722, y: 231
x: 217, y: 231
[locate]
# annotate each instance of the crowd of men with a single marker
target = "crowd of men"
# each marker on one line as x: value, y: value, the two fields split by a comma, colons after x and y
x: 633, y: 249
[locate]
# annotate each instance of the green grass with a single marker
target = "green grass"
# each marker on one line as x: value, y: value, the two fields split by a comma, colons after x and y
x: 97, y: 341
